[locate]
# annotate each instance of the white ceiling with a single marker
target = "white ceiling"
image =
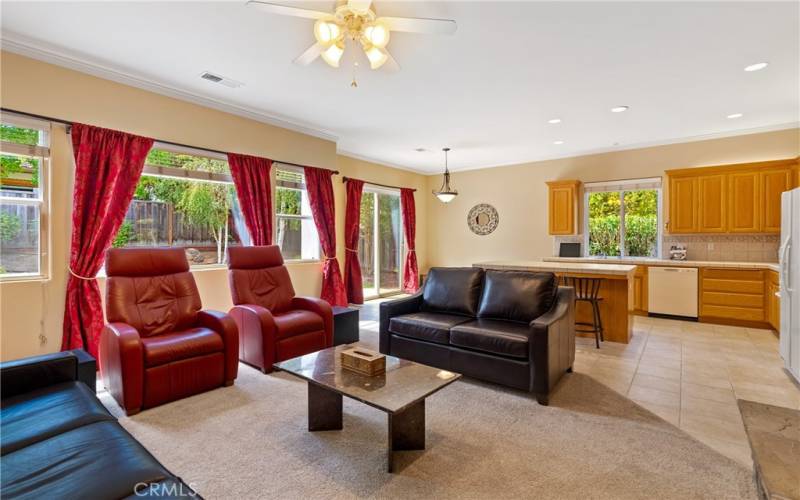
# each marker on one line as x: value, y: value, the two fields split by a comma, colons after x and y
x: 487, y: 92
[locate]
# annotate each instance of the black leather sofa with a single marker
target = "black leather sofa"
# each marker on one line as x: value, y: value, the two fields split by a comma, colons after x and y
x: 58, y: 441
x: 513, y: 328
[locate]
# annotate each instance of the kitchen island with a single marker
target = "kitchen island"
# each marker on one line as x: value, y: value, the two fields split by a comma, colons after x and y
x: 616, y: 290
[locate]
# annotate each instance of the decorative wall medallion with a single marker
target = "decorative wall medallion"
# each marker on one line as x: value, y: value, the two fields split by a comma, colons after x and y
x: 483, y: 219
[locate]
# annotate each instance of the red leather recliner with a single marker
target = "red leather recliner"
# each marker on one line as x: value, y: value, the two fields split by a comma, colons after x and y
x: 158, y: 346
x: 274, y: 325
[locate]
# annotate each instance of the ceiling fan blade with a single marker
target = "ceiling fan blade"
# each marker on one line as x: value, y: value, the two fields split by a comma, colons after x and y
x: 391, y: 64
x: 359, y: 6
x: 420, y: 25
x: 285, y: 10
x: 309, y: 55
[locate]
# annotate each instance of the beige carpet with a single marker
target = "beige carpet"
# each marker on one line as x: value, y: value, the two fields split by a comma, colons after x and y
x: 250, y: 441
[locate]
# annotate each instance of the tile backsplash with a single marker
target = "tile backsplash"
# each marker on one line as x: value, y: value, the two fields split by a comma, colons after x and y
x: 719, y: 247
x: 724, y: 247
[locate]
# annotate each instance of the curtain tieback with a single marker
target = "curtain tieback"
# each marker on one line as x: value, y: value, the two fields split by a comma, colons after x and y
x: 79, y: 276
x: 330, y: 258
x: 412, y: 250
x: 351, y: 250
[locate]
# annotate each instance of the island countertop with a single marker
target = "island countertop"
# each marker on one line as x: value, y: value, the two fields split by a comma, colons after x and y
x: 616, y: 290
x: 623, y: 270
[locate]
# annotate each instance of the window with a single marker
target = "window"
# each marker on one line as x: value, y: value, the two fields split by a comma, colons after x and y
x: 24, y: 157
x: 295, y: 231
x: 184, y: 199
x: 623, y: 218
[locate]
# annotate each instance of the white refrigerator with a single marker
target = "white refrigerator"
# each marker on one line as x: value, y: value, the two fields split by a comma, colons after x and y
x: 789, y: 262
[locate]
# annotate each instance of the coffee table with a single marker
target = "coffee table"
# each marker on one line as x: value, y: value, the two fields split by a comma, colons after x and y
x: 400, y: 392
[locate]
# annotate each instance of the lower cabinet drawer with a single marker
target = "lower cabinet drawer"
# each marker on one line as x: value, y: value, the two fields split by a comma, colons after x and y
x: 732, y: 312
x: 735, y: 286
x: 733, y: 299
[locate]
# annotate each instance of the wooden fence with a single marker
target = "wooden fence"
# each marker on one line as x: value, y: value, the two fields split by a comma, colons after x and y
x: 157, y: 223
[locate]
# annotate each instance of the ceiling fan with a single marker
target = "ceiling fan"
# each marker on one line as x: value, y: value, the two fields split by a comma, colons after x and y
x: 355, y: 20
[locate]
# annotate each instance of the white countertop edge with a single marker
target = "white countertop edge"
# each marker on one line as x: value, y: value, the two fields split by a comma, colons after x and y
x: 670, y: 263
x: 570, y: 267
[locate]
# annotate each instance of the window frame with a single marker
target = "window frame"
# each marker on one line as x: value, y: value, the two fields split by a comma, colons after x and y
x: 43, y: 153
x: 375, y: 191
x: 193, y: 176
x: 621, y: 187
x: 276, y: 216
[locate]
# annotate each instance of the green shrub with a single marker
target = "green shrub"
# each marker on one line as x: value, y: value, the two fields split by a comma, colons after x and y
x: 123, y: 236
x: 10, y: 226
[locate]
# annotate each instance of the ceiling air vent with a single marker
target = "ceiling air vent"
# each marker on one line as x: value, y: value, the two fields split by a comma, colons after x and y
x: 228, y: 82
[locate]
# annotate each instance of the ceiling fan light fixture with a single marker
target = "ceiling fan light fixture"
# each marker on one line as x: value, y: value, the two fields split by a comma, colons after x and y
x: 333, y: 54
x: 326, y: 32
x: 377, y: 34
x: 377, y: 57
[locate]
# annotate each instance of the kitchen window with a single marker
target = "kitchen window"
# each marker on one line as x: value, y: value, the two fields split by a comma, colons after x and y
x: 24, y: 200
x: 623, y: 218
x: 295, y: 231
x: 185, y: 198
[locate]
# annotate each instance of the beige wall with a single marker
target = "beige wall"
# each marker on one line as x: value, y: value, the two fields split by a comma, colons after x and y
x: 519, y: 192
x: 31, y: 309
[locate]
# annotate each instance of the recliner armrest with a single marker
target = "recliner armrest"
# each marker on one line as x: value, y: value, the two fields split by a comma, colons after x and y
x: 226, y: 327
x: 389, y: 310
x: 320, y: 307
x: 27, y: 374
x: 122, y: 365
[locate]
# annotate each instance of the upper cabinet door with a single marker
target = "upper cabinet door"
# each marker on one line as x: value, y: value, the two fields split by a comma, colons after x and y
x: 744, y: 202
x: 712, y: 204
x: 773, y: 184
x: 683, y: 198
x: 563, y: 198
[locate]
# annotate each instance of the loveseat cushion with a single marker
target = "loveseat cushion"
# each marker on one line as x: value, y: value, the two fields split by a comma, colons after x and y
x: 517, y: 295
x: 298, y: 322
x: 38, y: 415
x: 453, y: 290
x: 171, y: 347
x: 428, y: 326
x: 99, y: 460
x: 504, y: 338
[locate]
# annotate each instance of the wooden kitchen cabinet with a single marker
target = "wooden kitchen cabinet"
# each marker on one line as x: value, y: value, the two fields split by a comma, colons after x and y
x: 744, y: 208
x: 712, y: 204
x: 640, y: 290
x: 743, y: 198
x: 773, y: 183
x: 772, y: 301
x: 683, y: 201
x: 733, y: 295
x: 563, y: 199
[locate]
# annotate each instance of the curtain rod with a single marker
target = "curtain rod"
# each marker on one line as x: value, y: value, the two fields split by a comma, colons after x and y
x: 345, y: 179
x: 177, y: 144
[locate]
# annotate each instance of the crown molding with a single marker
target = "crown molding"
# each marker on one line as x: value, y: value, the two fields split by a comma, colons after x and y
x: 382, y: 163
x: 23, y: 46
x: 641, y: 145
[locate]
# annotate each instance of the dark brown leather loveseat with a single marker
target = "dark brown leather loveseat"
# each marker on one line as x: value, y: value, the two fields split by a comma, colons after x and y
x: 513, y: 328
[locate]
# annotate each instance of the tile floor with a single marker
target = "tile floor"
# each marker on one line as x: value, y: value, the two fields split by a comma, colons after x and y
x: 689, y: 374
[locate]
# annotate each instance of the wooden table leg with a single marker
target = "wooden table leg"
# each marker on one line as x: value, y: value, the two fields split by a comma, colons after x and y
x: 324, y: 409
x: 406, y: 430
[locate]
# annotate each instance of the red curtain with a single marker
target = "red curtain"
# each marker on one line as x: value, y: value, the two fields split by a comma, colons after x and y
x: 410, y: 270
x: 108, y: 165
x: 352, y: 223
x: 251, y: 178
x: 319, y: 184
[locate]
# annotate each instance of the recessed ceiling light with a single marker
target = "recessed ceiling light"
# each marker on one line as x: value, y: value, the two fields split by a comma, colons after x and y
x: 756, y: 66
x: 558, y: 142
x: 420, y: 150
x: 619, y: 109
x: 554, y: 120
x: 735, y: 115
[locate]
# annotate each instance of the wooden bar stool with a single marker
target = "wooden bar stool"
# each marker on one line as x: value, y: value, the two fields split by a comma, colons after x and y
x: 587, y: 290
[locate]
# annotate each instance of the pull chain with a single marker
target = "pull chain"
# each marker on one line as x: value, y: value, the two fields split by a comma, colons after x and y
x: 354, y: 83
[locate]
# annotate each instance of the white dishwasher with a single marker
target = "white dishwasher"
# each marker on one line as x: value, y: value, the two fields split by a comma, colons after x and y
x: 672, y: 291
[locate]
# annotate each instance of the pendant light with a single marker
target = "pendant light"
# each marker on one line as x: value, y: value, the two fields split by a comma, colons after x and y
x: 446, y: 194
